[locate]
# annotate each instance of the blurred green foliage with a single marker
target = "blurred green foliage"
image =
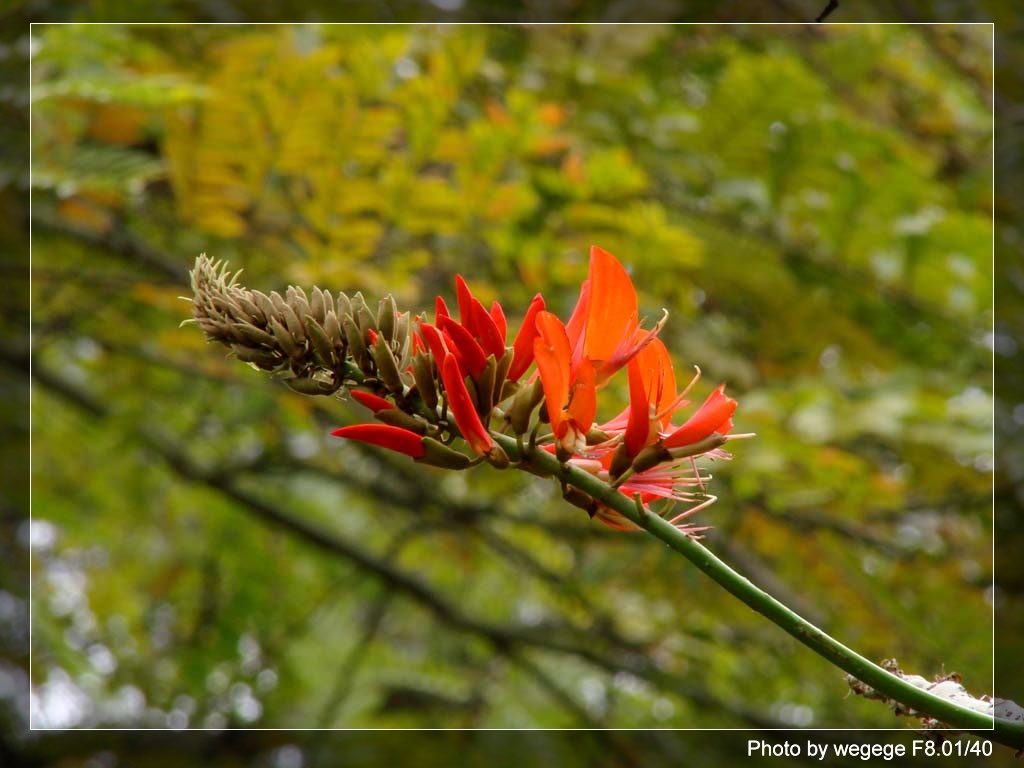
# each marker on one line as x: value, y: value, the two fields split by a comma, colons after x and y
x: 813, y: 206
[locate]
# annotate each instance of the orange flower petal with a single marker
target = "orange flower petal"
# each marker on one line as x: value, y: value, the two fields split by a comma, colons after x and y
x: 638, y: 429
x: 613, y: 314
x: 659, y: 378
x: 582, y: 407
x: 553, y: 356
x: 577, y: 325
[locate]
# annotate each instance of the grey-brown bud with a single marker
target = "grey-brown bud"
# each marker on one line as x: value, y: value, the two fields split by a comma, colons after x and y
x: 321, y: 343
x: 387, y: 366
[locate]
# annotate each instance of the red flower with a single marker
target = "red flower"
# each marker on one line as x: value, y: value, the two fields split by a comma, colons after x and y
x: 652, y: 396
x: 478, y: 334
x: 522, y: 355
x: 478, y: 321
x: 463, y: 408
x: 372, y: 401
x: 715, y: 415
x: 385, y: 436
x: 464, y: 346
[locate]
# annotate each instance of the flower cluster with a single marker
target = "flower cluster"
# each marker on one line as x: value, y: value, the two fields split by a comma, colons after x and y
x: 461, y: 380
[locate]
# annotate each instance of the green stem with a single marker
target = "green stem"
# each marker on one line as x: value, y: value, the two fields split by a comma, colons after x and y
x: 1002, y: 731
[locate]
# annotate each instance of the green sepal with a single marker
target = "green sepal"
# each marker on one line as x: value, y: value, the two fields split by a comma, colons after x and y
x: 440, y: 455
x: 525, y: 402
x: 399, y: 418
x: 649, y: 457
x: 485, y: 386
x: 709, y: 443
x: 500, y: 375
x: 620, y: 461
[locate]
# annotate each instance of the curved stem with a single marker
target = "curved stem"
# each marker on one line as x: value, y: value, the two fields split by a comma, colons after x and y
x: 1002, y: 731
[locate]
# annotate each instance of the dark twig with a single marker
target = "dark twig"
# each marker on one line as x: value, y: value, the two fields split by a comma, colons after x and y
x: 832, y: 5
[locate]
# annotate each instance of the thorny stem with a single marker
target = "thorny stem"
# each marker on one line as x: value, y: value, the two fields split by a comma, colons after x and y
x: 999, y: 730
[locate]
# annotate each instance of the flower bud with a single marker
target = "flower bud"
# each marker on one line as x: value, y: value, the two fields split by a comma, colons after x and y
x: 402, y: 325
x: 361, y: 314
x: 387, y: 366
x: 525, y: 402
x: 356, y: 342
x: 333, y: 330
x: 293, y: 324
x: 296, y: 299
x: 312, y: 386
x: 317, y: 307
x: 266, y: 306
x: 321, y: 343
x: 386, y: 312
x: 423, y: 376
x: 344, y: 305
x: 252, y: 334
x: 255, y: 314
x: 284, y: 339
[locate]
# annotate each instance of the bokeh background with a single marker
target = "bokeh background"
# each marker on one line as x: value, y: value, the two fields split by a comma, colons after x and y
x: 814, y: 206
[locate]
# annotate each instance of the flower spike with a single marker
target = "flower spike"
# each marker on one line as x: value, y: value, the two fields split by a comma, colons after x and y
x: 430, y: 384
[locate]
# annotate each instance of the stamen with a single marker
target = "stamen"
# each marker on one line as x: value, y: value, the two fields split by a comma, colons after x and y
x: 678, y: 402
x: 693, y: 510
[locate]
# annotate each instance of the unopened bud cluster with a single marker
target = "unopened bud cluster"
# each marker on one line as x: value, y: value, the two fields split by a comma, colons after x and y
x: 320, y: 341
